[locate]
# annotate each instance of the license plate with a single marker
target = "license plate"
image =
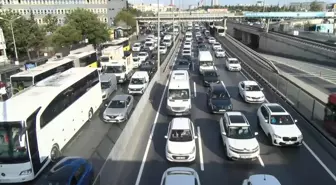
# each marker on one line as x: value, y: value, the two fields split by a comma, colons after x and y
x: 245, y: 156
x: 180, y: 158
x: 222, y: 110
x: 179, y: 114
x: 113, y: 121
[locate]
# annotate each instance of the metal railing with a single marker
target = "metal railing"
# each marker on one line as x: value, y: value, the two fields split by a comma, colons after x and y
x: 308, y: 106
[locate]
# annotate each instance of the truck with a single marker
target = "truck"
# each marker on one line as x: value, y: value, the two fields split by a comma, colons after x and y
x: 115, y: 60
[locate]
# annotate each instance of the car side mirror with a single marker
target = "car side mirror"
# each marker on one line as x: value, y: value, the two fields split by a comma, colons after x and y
x: 195, y: 137
x: 266, y: 120
x: 166, y: 137
x: 223, y: 133
x: 256, y: 133
x: 295, y: 120
x: 262, y: 89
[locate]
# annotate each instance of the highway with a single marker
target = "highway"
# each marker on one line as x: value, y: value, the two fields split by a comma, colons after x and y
x: 320, y: 76
x: 309, y: 164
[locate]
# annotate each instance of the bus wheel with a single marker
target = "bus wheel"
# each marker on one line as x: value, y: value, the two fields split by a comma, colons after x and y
x: 55, y: 153
x: 90, y: 114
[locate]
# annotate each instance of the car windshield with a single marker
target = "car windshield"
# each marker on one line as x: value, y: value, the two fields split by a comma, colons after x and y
x: 180, y: 135
x: 136, y: 45
x: 166, y: 40
x: 114, y: 69
x: 105, y: 85
x: 135, y: 59
x: 149, y: 44
x: 187, y: 43
x: 252, y: 88
x: 188, y: 36
x: 186, y: 51
x: 137, y: 81
x: 210, y: 73
x: 12, y: 146
x: 142, y: 54
x: 183, y: 63
x: 220, y: 50
x: 216, y: 44
x: 240, y: 132
x: 202, y: 47
x: 104, y: 59
x: 234, y: 61
x: 206, y: 63
x: 220, y: 95
x: 117, y: 104
x: 281, y: 120
x: 178, y: 94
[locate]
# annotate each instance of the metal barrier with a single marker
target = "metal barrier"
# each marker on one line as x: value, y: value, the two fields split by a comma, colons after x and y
x: 302, y: 101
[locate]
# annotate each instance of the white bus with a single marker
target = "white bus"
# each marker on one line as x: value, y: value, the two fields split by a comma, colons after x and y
x: 179, y: 94
x: 220, y: 30
x: 85, y: 58
x: 36, y: 124
x: 30, y: 77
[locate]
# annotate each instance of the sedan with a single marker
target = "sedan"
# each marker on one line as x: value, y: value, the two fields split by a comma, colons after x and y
x: 136, y: 46
x: 216, y: 46
x: 209, y: 77
x: 251, y: 92
x: 182, y: 64
x: 119, y: 109
x: 211, y: 40
x: 163, y: 49
x: 219, y: 53
x: 186, y: 52
x: 65, y: 172
x: 218, y: 99
x: 143, y: 56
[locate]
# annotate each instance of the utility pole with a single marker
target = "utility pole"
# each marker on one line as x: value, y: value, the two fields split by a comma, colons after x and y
x: 158, y: 39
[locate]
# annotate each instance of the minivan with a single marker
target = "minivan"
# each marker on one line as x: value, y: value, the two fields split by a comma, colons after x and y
x: 108, y: 84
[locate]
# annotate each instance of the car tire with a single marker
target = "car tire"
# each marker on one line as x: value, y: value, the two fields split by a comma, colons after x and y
x: 90, y: 114
x: 55, y: 153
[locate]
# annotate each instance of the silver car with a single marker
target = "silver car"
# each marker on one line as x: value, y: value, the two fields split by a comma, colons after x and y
x: 119, y: 109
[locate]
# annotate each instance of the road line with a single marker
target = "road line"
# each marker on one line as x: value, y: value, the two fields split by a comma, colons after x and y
x: 193, y: 66
x: 320, y: 161
x: 304, y: 144
x: 261, y: 161
x: 200, y: 148
x: 151, y: 134
x: 195, y: 92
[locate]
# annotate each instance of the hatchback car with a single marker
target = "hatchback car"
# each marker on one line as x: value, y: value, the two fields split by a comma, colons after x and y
x: 216, y: 46
x: 181, y: 141
x: 232, y: 64
x: 69, y: 171
x: 119, y: 108
x: 143, y: 56
x: 238, y: 139
x: 218, y: 99
x: 182, y: 64
x: 180, y: 176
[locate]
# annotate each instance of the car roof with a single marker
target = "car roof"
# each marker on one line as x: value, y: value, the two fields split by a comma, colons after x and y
x: 264, y: 179
x: 217, y: 87
x: 64, y: 168
x: 249, y: 82
x: 121, y: 97
x: 237, y: 119
x: 275, y: 108
x: 180, y: 175
x: 180, y: 123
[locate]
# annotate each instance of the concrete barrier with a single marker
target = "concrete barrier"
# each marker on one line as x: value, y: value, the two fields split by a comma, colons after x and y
x: 132, y: 130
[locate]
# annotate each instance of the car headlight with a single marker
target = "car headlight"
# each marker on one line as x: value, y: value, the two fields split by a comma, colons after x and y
x: 300, y: 137
x: 276, y: 136
x: 26, y: 172
x: 229, y: 107
x: 193, y: 150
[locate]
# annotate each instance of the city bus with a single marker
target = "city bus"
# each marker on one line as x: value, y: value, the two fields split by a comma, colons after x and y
x: 36, y: 124
x: 85, y: 59
x: 25, y: 79
x: 330, y: 115
x: 35, y: 62
x: 220, y: 30
x: 117, y: 42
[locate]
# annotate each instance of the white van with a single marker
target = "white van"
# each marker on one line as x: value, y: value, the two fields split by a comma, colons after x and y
x: 138, y: 82
x: 108, y: 84
x: 205, y: 61
x: 179, y: 94
x: 168, y: 40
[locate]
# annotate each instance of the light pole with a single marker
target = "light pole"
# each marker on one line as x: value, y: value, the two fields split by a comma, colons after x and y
x: 11, y: 26
x: 158, y: 40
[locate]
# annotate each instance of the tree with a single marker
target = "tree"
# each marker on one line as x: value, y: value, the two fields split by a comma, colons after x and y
x: 126, y: 17
x: 315, y: 6
x: 88, y: 24
x: 51, y: 23
x: 66, y: 35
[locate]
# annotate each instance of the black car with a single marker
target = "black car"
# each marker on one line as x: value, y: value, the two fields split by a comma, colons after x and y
x: 218, y: 99
x: 203, y: 47
x: 182, y: 64
x: 150, y: 66
x: 200, y: 40
x: 186, y: 57
x: 209, y: 77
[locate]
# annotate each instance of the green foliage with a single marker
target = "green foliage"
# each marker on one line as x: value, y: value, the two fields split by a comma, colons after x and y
x: 65, y: 36
x: 89, y: 25
x: 127, y: 16
x: 315, y: 7
x: 50, y: 23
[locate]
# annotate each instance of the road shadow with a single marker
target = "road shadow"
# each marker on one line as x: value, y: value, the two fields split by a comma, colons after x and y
x: 200, y: 102
x: 156, y: 95
x: 159, y: 141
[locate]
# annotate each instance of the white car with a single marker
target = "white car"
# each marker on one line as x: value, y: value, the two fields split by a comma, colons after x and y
x: 216, y: 46
x: 136, y: 62
x: 180, y: 176
x: 232, y: 64
x: 187, y: 45
x: 186, y: 52
x: 261, y: 179
x: 136, y: 47
x: 219, y: 53
x: 211, y: 40
x: 150, y: 45
x: 163, y: 49
x: 143, y: 56
x: 188, y: 37
x: 251, y: 92
x: 152, y: 37
x: 198, y: 34
x: 278, y: 125
x: 238, y: 139
x: 181, y: 144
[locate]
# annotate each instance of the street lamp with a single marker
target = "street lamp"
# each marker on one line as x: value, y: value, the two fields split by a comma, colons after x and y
x: 11, y: 26
x: 158, y: 40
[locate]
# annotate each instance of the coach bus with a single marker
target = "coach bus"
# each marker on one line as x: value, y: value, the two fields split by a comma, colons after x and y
x: 220, y: 30
x: 25, y: 79
x: 330, y: 115
x: 36, y: 124
x: 85, y: 59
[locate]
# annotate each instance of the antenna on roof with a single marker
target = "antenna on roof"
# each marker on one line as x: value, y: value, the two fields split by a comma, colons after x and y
x: 264, y: 177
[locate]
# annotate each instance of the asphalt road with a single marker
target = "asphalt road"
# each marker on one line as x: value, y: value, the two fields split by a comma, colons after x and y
x: 309, y: 164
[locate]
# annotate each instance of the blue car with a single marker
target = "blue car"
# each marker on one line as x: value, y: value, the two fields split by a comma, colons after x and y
x: 69, y: 171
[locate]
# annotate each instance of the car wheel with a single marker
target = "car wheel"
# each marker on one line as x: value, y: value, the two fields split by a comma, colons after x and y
x: 55, y: 153
x: 90, y: 114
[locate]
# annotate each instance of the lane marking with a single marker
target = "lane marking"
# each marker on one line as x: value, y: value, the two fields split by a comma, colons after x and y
x: 332, y: 175
x: 152, y: 133
x: 200, y: 148
x: 195, y: 92
x: 193, y: 67
x: 261, y: 161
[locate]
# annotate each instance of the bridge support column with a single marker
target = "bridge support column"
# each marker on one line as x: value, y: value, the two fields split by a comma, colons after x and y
x: 137, y: 27
x: 267, y: 25
x: 246, y: 38
x: 225, y: 28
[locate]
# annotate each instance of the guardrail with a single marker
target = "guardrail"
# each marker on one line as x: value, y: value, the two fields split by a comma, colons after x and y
x: 131, y: 130
x: 308, y: 106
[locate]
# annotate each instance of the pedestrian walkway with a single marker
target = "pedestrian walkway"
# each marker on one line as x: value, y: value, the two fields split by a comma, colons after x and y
x: 309, y: 70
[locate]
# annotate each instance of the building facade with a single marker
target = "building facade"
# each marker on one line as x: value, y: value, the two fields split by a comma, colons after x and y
x: 151, y: 7
x: 105, y: 9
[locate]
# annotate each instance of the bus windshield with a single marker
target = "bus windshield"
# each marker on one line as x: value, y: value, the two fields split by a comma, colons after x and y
x: 20, y: 83
x: 220, y: 30
x: 12, y: 148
